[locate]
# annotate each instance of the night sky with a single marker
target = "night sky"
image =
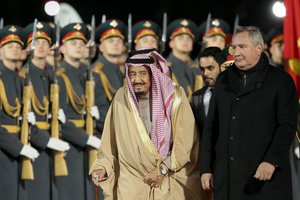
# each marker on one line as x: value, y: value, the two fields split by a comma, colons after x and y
x: 251, y: 12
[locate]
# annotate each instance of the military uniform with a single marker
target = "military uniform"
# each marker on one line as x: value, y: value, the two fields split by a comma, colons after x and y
x: 43, y: 183
x: 182, y: 74
x: 11, y: 186
x: 217, y: 26
x: 275, y: 37
x: 77, y: 185
x: 109, y: 73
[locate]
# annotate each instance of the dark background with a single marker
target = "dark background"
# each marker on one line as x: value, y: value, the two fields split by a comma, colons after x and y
x: 251, y: 12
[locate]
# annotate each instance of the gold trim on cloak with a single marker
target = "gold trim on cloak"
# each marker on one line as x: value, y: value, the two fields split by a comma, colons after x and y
x: 143, y: 131
x: 189, y: 89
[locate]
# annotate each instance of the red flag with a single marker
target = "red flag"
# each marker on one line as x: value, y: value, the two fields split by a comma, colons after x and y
x: 292, y: 39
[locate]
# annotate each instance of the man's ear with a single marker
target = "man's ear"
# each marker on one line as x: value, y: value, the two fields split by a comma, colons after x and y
x: 100, y: 47
x: 62, y: 49
x: 259, y: 48
x: 171, y: 44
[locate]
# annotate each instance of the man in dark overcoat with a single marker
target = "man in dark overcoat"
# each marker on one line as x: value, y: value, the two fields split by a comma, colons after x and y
x: 250, y: 126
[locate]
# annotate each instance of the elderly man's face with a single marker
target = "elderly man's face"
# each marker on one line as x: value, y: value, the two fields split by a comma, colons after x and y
x: 246, y: 55
x: 140, y: 79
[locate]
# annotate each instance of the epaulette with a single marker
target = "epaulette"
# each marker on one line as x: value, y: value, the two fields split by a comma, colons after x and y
x: 23, y: 72
x: 97, y: 68
x: 169, y: 64
x: 60, y: 71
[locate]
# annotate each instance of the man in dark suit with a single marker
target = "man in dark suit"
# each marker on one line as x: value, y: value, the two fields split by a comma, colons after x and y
x: 250, y: 126
x: 210, y: 60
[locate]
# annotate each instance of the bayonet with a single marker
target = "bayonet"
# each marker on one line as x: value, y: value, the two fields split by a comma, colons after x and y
x: 129, y: 38
x: 1, y: 23
x: 92, y: 36
x: 57, y: 34
x: 208, y: 20
x: 164, y: 33
x: 33, y: 35
x: 103, y: 19
x: 236, y: 23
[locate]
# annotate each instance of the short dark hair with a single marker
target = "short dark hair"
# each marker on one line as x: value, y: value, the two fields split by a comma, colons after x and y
x: 214, y: 52
x: 254, y: 34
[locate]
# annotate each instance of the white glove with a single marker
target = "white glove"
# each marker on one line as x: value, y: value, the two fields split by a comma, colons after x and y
x: 297, y: 152
x: 95, y: 112
x: 58, y: 145
x: 61, y: 116
x: 93, y: 141
x: 31, y: 118
x: 29, y: 152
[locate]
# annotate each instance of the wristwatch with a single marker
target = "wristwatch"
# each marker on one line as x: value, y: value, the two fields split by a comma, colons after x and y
x: 163, y: 170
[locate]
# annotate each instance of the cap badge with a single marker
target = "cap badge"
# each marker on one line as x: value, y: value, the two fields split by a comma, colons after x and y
x: 39, y: 25
x: 147, y: 24
x: 12, y: 29
x: 215, y: 22
x: 184, y: 22
x: 77, y: 26
x: 113, y: 23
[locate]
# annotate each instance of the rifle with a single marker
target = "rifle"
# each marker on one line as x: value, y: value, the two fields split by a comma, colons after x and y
x: 60, y: 165
x: 27, y: 169
x: 90, y: 96
x: 129, y: 37
x: 164, y: 34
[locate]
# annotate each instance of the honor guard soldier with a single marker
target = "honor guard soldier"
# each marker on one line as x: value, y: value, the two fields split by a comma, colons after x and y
x: 39, y: 74
x: 11, y: 148
x: 146, y: 34
x: 276, y: 47
x: 215, y: 34
x: 181, y: 34
x: 77, y: 185
x: 110, y: 35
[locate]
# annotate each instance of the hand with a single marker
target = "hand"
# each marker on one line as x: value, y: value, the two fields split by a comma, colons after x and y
x: 58, y: 145
x: 31, y: 118
x: 93, y: 141
x: 264, y: 171
x: 61, y: 116
x: 98, y: 176
x: 207, y: 181
x: 29, y: 152
x: 154, y: 178
x: 95, y: 112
